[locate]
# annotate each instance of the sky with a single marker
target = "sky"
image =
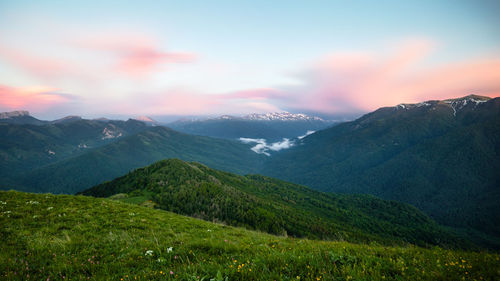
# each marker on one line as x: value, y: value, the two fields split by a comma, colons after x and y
x: 131, y: 58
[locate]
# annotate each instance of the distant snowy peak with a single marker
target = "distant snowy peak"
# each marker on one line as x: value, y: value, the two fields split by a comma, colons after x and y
x: 282, y: 116
x: 11, y: 114
x: 274, y: 116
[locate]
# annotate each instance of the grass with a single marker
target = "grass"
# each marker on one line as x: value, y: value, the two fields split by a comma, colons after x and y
x: 47, y: 237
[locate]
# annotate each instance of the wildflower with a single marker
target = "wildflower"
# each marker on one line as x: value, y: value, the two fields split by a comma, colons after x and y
x: 170, y: 249
x: 50, y: 208
x: 3, y: 202
x: 149, y: 253
x: 171, y: 272
x: 209, y: 230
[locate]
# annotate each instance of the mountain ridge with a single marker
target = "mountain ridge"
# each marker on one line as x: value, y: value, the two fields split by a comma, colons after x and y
x: 273, y: 206
x: 441, y: 159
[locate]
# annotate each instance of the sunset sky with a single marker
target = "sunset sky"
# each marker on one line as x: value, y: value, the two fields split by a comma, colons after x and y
x: 128, y: 58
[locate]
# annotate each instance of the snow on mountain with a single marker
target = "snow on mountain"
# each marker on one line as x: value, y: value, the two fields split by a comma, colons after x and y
x: 282, y: 116
x: 454, y: 104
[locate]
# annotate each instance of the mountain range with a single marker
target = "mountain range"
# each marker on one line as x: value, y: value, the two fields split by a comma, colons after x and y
x: 272, y: 127
x: 439, y: 156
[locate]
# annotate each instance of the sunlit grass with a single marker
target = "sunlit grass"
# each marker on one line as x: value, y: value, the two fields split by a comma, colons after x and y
x: 79, y: 238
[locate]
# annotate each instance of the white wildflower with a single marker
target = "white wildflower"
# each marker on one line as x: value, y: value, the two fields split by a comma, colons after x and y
x: 131, y: 214
x: 149, y: 253
x: 2, y: 202
x: 209, y: 230
x: 32, y: 202
x: 170, y: 249
x: 50, y: 208
x: 35, y: 216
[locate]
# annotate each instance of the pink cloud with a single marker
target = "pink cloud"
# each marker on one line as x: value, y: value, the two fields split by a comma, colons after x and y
x: 35, y: 99
x: 349, y: 82
x: 143, y: 61
x: 135, y: 55
x: 45, y: 68
x: 188, y: 102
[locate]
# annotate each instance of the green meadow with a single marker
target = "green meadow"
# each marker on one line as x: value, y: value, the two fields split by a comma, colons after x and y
x: 64, y: 237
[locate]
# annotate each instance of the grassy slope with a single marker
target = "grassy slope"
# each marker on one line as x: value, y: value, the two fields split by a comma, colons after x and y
x: 275, y: 206
x: 48, y: 236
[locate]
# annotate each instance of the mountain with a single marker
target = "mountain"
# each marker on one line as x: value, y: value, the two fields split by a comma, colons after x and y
x: 271, y: 126
x: 148, y: 120
x: 25, y: 147
x: 273, y: 206
x: 19, y: 117
x: 440, y: 156
x: 55, y: 237
x: 124, y: 153
x: 67, y: 119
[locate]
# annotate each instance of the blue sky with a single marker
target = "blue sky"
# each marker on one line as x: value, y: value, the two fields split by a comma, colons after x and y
x: 197, y: 57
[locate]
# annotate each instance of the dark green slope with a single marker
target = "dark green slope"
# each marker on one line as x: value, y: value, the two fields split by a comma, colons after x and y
x: 274, y: 206
x: 24, y: 147
x: 155, y: 143
x: 441, y: 156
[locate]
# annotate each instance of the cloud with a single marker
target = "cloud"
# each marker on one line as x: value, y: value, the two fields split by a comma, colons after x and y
x: 260, y: 93
x: 185, y: 101
x: 31, y: 98
x: 95, y: 60
x: 262, y: 147
x: 135, y: 55
x: 350, y: 82
x: 306, y: 134
x: 38, y: 66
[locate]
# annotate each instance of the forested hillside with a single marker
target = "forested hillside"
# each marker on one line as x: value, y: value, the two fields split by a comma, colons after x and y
x: 274, y: 206
x: 440, y: 156
x: 128, y: 153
